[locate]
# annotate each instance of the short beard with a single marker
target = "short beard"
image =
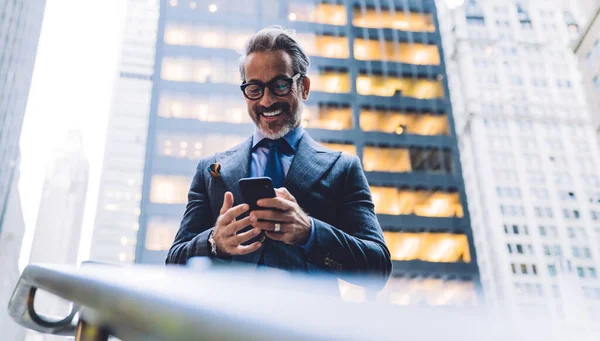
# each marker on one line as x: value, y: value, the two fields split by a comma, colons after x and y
x: 291, y: 122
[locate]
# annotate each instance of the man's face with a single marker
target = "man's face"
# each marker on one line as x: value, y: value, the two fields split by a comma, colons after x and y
x: 274, y: 115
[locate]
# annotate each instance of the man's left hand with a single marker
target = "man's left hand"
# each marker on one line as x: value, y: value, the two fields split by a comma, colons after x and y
x: 295, y: 225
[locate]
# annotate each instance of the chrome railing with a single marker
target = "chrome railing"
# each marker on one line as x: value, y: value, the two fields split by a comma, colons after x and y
x: 215, y: 303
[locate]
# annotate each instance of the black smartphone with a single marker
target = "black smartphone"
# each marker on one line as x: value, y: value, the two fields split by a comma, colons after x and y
x: 254, y: 189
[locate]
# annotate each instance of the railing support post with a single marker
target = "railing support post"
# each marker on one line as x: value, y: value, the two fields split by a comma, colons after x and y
x: 89, y: 332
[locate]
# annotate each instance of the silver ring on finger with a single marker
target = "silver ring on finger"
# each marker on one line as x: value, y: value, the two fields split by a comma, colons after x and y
x: 277, y: 227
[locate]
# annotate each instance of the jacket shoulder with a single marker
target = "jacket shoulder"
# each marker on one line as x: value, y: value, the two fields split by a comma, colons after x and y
x: 349, y: 160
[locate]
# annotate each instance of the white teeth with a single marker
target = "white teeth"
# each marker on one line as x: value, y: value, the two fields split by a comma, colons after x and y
x: 271, y: 114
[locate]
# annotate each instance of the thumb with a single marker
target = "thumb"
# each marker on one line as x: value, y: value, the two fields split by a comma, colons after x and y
x: 227, y: 202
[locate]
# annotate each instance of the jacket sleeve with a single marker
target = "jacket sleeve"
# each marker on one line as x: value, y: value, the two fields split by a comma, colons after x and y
x: 356, y: 246
x: 192, y: 238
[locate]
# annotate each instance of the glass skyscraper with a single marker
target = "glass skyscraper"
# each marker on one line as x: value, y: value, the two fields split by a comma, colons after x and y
x: 379, y: 91
x: 20, y: 26
x: 118, y: 210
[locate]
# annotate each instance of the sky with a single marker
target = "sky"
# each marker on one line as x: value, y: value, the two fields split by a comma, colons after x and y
x: 74, y: 73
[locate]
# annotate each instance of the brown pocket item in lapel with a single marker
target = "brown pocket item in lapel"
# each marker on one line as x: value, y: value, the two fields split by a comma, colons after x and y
x: 215, y: 170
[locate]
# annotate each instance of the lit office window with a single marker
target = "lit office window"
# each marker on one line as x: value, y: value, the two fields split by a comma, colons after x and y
x: 194, y: 147
x: 395, y: 19
x: 160, y: 233
x: 345, y: 148
x: 330, y: 14
x: 403, y: 123
x: 168, y: 189
x: 200, y: 70
x: 327, y: 117
x: 324, y: 46
x: 431, y: 291
x: 419, y: 54
x: 206, y: 36
x: 394, y: 201
x: 213, y: 108
x: 386, y: 159
x: 388, y: 86
x: 330, y: 81
x: 428, y: 247
x: 402, y: 160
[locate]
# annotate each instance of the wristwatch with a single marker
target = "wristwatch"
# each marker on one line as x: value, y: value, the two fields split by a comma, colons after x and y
x: 213, y: 244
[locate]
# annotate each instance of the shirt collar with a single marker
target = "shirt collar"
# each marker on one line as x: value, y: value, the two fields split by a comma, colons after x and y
x: 292, y: 137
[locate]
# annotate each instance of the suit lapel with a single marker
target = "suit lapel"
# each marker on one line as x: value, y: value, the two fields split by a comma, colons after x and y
x: 310, y: 163
x: 235, y: 164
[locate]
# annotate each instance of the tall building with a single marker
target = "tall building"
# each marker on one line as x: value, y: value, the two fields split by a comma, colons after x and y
x: 60, y: 216
x: 118, y: 210
x: 587, y: 50
x: 10, y: 246
x: 379, y: 91
x: 20, y: 26
x: 528, y: 152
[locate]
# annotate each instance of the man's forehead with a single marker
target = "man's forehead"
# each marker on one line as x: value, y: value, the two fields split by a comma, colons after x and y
x: 268, y: 64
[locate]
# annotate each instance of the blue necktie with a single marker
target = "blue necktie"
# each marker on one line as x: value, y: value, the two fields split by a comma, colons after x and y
x: 274, y: 168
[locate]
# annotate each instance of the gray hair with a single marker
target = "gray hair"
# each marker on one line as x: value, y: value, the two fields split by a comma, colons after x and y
x: 276, y: 38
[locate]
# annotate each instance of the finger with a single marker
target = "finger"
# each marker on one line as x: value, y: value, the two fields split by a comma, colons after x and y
x: 244, y: 236
x: 278, y: 203
x: 233, y: 213
x: 282, y: 192
x: 246, y: 249
x: 270, y: 226
x: 227, y: 202
x: 234, y: 227
x: 272, y: 215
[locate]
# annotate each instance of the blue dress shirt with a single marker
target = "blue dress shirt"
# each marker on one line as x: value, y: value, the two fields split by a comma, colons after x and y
x: 259, y: 162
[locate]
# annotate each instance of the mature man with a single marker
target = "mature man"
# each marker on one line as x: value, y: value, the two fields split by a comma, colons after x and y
x: 326, y: 219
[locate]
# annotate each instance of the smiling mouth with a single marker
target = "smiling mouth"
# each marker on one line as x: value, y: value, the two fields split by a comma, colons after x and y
x: 270, y: 114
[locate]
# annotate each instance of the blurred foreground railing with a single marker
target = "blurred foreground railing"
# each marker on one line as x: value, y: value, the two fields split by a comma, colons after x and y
x: 208, y: 303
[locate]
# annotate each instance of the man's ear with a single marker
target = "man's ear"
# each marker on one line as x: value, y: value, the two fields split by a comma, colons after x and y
x: 305, y: 87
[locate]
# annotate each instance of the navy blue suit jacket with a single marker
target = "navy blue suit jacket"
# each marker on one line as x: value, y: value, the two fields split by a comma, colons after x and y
x: 329, y: 186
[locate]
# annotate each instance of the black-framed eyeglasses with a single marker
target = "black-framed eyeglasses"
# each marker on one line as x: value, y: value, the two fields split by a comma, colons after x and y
x: 278, y: 87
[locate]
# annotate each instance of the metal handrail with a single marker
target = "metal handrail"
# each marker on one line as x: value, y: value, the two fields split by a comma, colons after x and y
x: 214, y: 303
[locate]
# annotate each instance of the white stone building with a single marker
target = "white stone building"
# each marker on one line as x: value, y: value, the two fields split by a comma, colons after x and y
x: 530, y: 161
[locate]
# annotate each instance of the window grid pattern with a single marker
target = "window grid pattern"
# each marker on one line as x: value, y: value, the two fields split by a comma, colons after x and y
x: 344, y: 77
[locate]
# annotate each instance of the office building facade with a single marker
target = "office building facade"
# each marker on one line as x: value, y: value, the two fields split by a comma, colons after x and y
x: 378, y: 91
x: 20, y: 26
x: 118, y: 209
x: 587, y: 51
x: 528, y: 151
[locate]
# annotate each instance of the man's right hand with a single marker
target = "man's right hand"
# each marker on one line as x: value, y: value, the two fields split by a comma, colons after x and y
x: 225, y: 232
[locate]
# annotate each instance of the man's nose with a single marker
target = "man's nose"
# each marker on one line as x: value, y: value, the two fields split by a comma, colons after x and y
x: 267, y: 99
